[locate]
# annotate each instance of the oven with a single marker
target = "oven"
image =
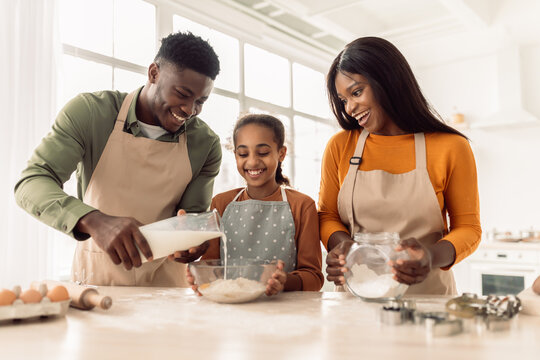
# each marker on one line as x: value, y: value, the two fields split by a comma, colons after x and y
x: 502, y: 271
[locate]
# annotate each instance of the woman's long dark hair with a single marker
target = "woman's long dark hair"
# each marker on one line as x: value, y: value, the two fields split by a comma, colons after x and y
x: 269, y: 122
x: 393, y: 84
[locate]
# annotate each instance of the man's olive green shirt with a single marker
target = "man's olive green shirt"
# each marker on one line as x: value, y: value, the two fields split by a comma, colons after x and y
x: 76, y: 142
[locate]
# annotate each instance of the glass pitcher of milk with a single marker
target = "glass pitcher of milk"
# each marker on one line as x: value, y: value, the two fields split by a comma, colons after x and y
x: 181, y: 232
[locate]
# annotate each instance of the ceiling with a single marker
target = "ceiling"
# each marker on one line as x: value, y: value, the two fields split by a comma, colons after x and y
x: 329, y: 24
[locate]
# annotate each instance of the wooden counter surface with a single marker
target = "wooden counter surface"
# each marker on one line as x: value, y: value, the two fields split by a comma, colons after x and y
x: 172, y: 323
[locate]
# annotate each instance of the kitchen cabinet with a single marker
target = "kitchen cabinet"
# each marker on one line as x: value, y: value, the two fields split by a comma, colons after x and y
x: 162, y: 323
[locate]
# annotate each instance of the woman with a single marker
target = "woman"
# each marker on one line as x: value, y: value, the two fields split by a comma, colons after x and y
x: 395, y: 167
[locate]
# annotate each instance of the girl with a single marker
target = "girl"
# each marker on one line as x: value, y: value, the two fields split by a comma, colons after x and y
x: 395, y: 167
x: 264, y: 220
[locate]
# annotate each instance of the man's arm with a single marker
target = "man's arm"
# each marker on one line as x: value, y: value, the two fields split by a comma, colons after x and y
x: 40, y: 189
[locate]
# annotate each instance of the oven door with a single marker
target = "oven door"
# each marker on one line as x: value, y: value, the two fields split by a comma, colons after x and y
x: 501, y: 279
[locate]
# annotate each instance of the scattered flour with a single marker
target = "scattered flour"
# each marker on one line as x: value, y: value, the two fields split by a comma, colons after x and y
x: 233, y: 291
x: 367, y: 284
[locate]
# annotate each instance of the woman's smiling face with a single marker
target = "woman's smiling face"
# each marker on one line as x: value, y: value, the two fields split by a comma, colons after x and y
x: 257, y: 157
x: 359, y: 102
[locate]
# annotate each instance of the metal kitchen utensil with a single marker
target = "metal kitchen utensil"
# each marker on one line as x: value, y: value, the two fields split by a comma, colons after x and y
x: 469, y: 305
x: 437, y: 327
x: 420, y: 317
x: 397, y: 312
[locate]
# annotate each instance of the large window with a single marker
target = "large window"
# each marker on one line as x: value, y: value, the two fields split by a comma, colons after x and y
x: 106, y: 49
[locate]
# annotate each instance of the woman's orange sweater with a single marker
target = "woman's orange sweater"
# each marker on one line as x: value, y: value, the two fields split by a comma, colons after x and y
x: 451, y: 168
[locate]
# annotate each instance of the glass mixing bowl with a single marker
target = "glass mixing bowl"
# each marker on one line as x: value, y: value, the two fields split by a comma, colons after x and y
x: 237, y: 281
x: 369, y: 276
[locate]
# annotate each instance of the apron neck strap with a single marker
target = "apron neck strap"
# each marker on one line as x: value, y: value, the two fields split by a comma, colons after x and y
x: 420, y: 150
x: 283, y: 194
x: 354, y: 164
x: 238, y: 195
x: 122, y: 114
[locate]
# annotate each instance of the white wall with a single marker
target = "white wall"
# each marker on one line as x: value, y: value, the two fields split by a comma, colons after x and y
x: 506, y: 155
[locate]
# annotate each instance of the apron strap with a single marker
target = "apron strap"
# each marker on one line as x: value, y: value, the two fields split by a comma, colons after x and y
x: 354, y: 164
x: 420, y: 150
x: 238, y: 195
x: 122, y: 114
x: 283, y: 194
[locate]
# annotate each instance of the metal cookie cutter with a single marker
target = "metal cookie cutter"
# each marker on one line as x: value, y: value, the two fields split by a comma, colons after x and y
x: 445, y: 327
x: 397, y: 312
x: 438, y: 323
x: 495, y: 311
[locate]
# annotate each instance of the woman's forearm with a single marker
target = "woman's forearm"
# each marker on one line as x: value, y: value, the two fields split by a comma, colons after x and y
x: 443, y: 254
x: 337, y: 238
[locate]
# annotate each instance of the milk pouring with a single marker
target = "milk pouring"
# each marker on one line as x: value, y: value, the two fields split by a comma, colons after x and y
x: 180, y: 233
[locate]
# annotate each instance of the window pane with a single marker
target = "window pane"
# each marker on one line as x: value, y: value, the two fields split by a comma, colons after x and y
x: 220, y: 113
x: 228, y: 177
x: 127, y: 81
x: 310, y: 138
x: 226, y: 47
x: 309, y: 91
x: 87, y: 24
x: 134, y: 31
x: 79, y: 75
x: 266, y: 76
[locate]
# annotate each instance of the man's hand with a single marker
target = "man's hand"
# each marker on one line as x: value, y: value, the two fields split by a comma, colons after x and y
x: 117, y: 237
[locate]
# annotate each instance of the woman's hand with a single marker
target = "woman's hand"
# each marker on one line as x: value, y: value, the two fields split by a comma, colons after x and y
x: 415, y: 269
x: 191, y: 254
x: 335, y: 262
x: 276, y: 283
x: 191, y: 281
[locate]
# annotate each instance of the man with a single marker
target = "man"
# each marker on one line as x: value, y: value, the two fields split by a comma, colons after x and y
x: 139, y: 158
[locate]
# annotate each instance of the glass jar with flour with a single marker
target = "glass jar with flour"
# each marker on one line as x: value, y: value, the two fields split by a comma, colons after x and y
x: 370, y: 276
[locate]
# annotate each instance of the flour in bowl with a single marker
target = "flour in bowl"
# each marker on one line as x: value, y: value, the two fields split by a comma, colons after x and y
x: 233, y: 290
x: 367, y: 284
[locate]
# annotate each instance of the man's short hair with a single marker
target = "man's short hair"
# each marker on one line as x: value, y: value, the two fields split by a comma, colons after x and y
x: 186, y: 50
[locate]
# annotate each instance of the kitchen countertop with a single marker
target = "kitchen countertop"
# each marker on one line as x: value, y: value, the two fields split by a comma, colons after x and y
x: 156, y: 323
x: 503, y: 245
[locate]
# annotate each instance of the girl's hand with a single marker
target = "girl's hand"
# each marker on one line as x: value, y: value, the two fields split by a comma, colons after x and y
x: 417, y: 267
x: 277, y: 282
x: 191, y: 254
x: 335, y: 262
x: 191, y: 281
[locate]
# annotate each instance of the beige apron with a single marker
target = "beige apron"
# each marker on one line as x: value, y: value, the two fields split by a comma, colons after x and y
x: 375, y: 201
x: 140, y: 178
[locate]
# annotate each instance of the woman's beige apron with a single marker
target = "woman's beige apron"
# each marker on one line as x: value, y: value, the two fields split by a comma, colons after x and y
x: 375, y: 201
x: 140, y: 178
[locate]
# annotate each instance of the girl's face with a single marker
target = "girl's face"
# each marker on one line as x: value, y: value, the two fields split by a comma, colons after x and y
x: 359, y: 102
x: 257, y: 156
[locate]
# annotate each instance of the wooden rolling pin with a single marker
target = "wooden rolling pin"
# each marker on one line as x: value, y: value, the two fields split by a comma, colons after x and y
x: 82, y: 297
